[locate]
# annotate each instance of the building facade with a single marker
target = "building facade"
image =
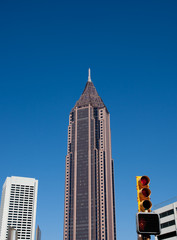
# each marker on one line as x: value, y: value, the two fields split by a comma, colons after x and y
x: 18, y: 207
x: 89, y: 180
x: 168, y: 221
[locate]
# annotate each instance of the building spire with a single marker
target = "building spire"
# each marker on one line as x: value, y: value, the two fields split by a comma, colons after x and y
x: 89, y: 96
x: 89, y: 75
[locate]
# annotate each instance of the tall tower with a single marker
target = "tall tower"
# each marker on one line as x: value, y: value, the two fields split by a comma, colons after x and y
x: 18, y: 207
x: 89, y: 180
x: 38, y: 233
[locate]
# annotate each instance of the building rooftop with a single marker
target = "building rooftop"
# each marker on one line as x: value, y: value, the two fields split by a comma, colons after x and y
x: 165, y: 203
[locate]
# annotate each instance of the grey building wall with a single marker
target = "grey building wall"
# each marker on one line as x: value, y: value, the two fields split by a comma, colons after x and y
x: 168, y: 221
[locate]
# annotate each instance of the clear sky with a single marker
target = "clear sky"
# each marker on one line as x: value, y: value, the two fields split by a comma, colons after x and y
x: 46, y: 48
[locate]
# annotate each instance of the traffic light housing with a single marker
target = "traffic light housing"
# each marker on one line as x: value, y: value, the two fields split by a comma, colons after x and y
x: 143, y: 194
x: 147, y: 223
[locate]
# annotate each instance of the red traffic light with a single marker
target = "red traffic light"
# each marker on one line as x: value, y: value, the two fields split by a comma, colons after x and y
x: 148, y: 223
x: 146, y: 192
x: 143, y: 193
x: 144, y: 180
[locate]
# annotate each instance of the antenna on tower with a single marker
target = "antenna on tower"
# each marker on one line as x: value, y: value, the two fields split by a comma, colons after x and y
x: 89, y: 75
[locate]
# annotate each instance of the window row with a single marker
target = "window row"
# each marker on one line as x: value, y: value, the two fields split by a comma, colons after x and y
x: 168, y: 224
x: 167, y: 213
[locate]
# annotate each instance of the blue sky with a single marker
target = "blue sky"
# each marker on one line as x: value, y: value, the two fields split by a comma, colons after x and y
x: 46, y: 48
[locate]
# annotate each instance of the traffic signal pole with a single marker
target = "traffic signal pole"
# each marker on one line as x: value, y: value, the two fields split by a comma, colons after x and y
x: 147, y: 223
x: 141, y: 237
x: 143, y: 193
x: 143, y: 198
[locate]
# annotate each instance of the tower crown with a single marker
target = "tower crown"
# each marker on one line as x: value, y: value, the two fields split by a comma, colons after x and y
x: 89, y: 96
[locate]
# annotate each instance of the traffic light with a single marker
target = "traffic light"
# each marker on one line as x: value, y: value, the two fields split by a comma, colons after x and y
x: 143, y: 194
x: 147, y: 223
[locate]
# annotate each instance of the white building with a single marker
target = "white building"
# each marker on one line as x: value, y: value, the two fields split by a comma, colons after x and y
x: 168, y: 221
x: 18, y: 207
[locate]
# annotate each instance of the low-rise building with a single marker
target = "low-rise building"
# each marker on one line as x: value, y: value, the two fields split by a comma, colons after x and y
x: 168, y: 220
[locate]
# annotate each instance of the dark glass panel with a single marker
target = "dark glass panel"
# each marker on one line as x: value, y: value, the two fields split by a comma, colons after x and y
x: 82, y: 176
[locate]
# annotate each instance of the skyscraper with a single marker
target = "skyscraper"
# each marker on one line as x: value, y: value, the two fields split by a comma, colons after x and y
x: 38, y: 233
x: 18, y: 207
x: 89, y: 180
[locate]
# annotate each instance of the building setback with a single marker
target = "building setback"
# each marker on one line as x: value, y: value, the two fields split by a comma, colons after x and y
x: 89, y: 180
x: 18, y: 207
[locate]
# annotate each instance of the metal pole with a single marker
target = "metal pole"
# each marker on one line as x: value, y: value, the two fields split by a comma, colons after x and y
x: 12, y: 234
x: 140, y: 237
x: 148, y: 238
x: 143, y: 237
